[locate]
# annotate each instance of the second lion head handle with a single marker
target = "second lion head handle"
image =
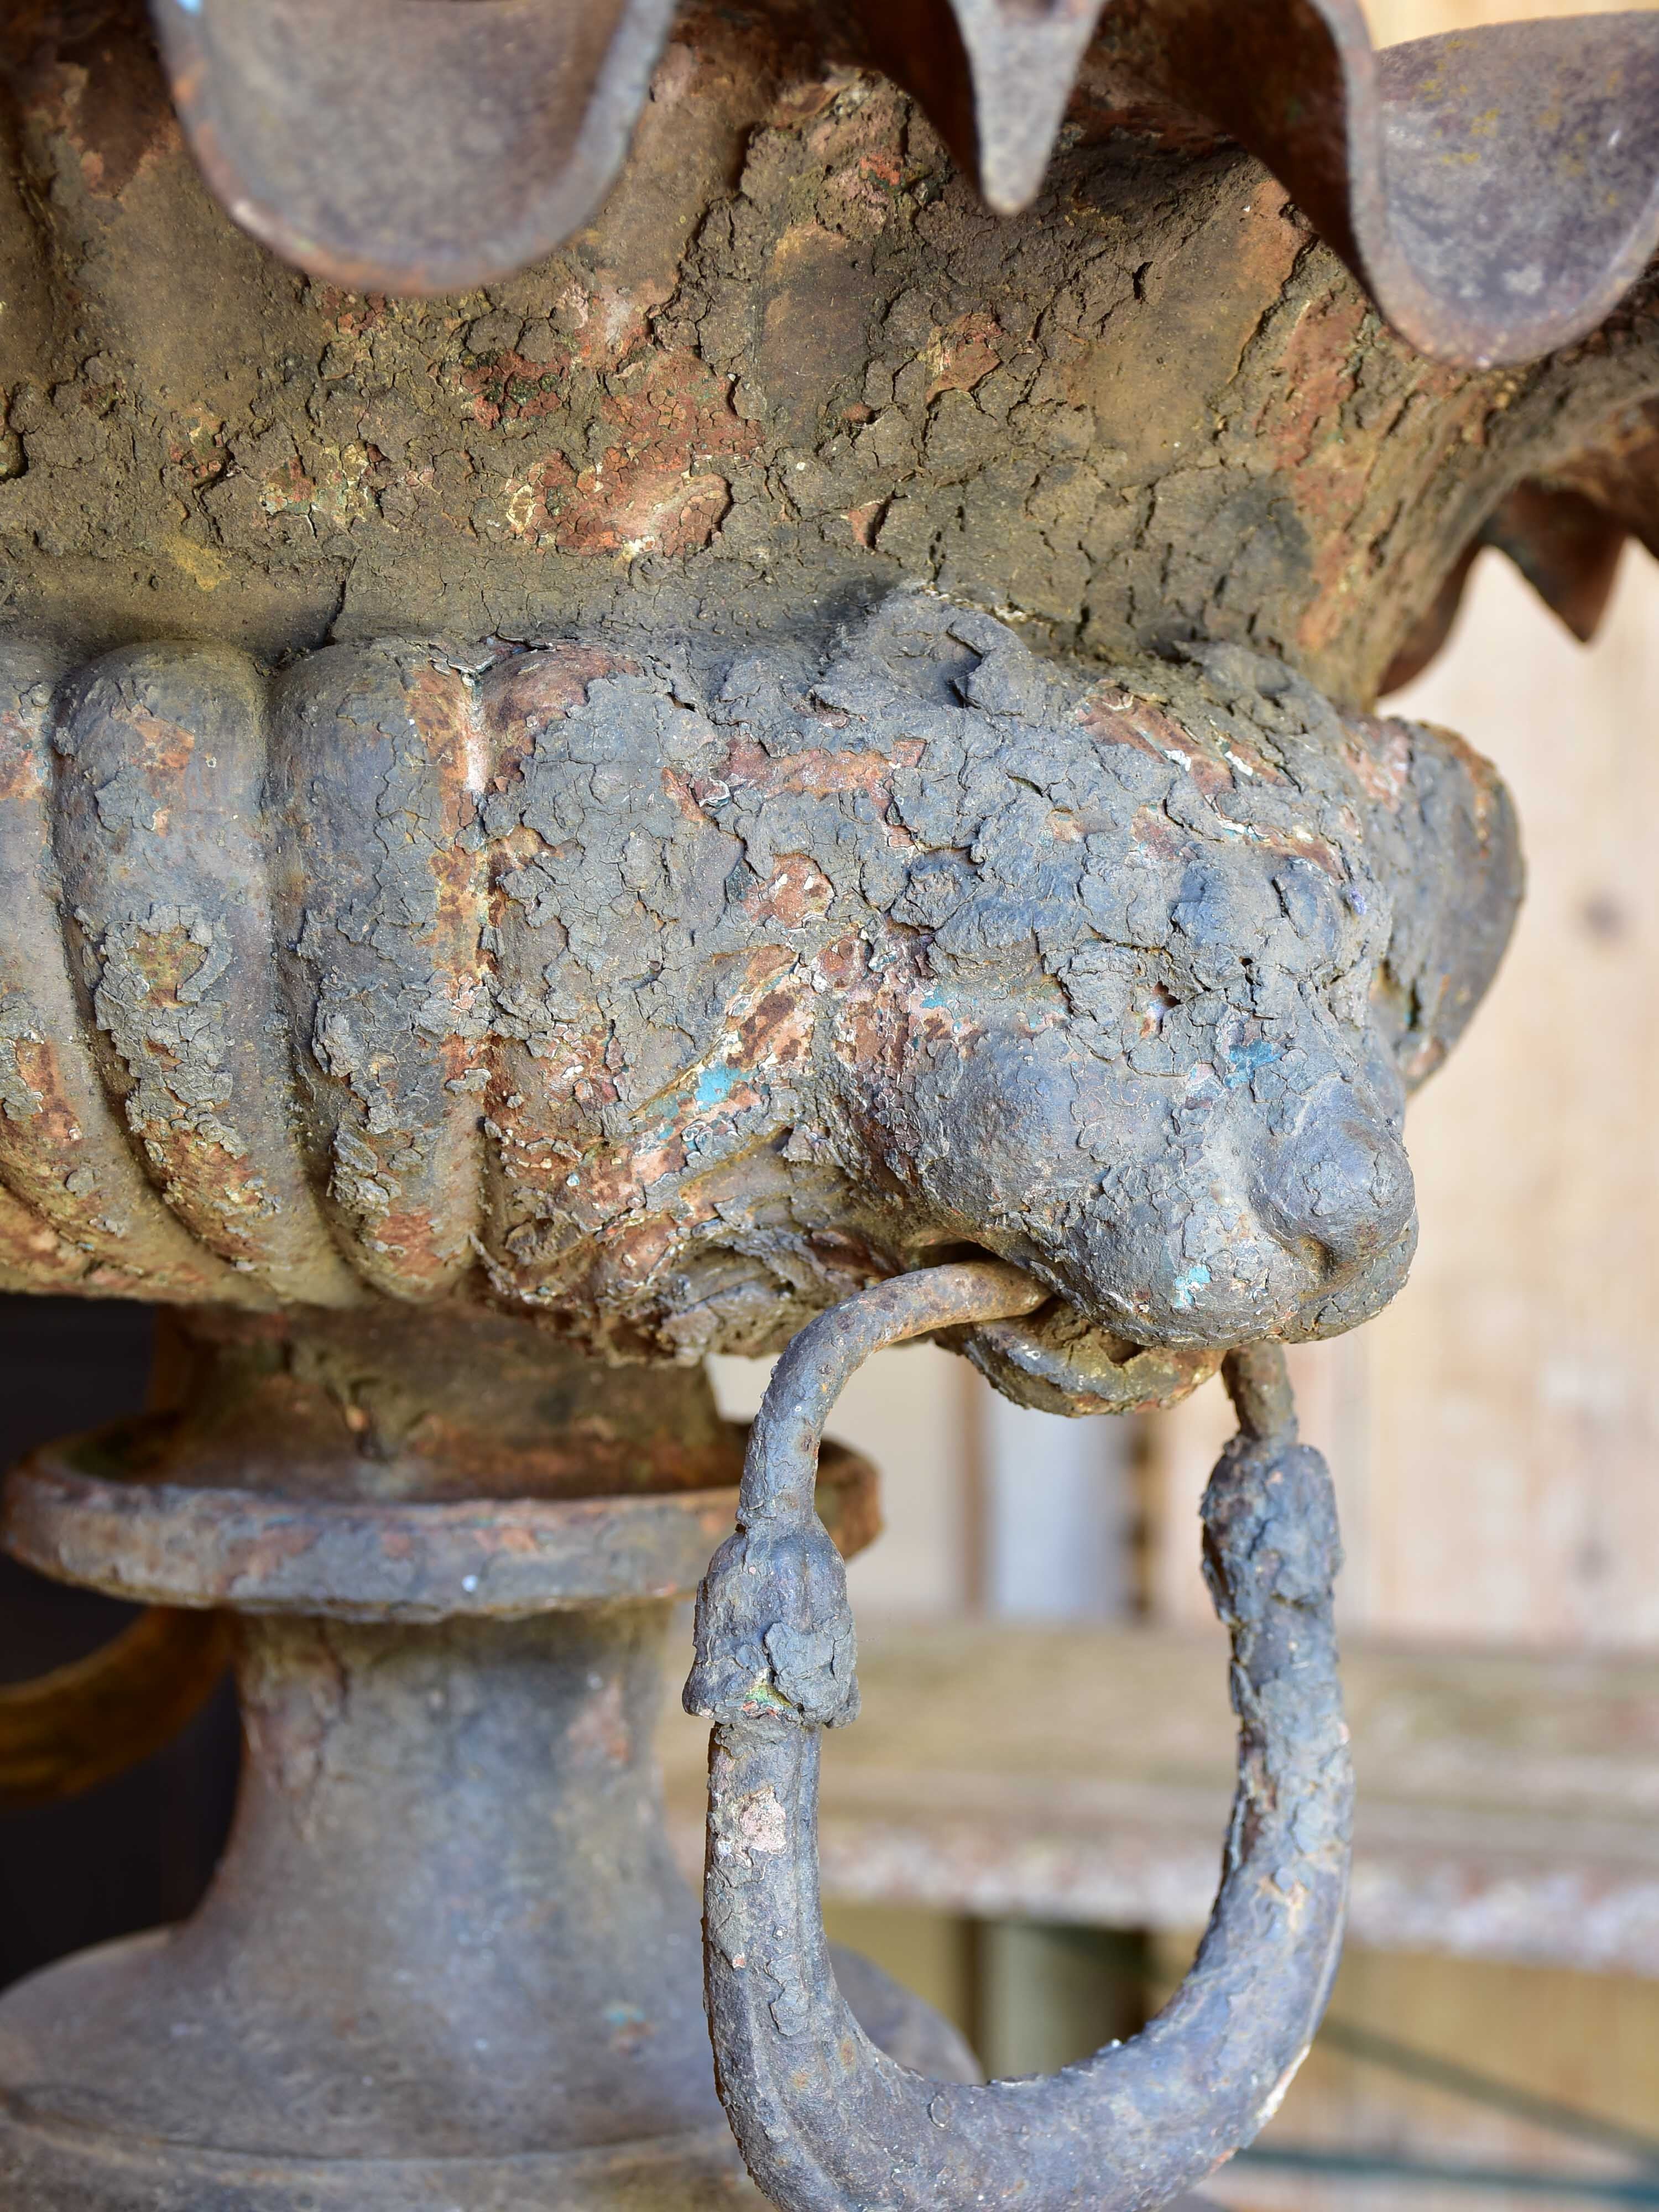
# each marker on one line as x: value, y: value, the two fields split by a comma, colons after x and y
x: 826, y: 2122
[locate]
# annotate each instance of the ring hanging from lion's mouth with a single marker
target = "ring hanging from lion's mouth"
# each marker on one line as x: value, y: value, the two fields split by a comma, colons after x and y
x: 825, y: 2121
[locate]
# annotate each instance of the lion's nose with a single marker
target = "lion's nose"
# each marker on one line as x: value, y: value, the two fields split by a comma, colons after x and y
x: 1342, y: 1182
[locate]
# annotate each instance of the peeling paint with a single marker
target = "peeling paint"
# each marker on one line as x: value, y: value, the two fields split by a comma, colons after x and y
x: 670, y: 999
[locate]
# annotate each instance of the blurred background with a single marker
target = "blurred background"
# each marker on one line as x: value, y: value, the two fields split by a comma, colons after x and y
x: 1035, y: 1615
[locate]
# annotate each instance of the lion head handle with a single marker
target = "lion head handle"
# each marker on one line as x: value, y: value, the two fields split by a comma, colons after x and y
x: 673, y: 994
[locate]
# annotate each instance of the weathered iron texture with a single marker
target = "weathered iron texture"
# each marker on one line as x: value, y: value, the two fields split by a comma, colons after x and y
x: 1497, y: 190
x: 826, y: 2122
x: 448, y: 1959
x: 794, y: 364
x: 1564, y: 531
x: 674, y: 1001
x: 819, y: 730
x: 173, y: 1544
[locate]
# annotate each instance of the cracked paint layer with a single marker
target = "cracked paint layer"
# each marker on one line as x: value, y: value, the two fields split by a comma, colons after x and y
x: 672, y: 997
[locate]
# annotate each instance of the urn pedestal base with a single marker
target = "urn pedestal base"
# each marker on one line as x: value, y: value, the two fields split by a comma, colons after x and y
x: 448, y: 1963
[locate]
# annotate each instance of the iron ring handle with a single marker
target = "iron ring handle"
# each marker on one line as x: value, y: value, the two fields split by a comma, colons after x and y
x: 83, y: 1723
x: 826, y: 2122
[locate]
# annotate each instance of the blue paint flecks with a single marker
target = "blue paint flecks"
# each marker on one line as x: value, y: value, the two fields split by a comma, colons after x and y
x: 715, y: 1084
x: 1244, y: 1061
x: 1187, y: 1287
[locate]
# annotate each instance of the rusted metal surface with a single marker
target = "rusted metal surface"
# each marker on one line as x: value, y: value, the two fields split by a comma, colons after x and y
x: 326, y: 1465
x: 792, y: 363
x: 673, y: 1004
x: 447, y: 1957
x: 320, y: 1462
x: 1616, y: 471
x: 387, y: 933
x: 67, y: 1731
x: 1565, y: 530
x: 88, y: 1208
x: 401, y: 1403
x: 824, y: 2118
x: 353, y: 1469
x: 1566, y: 546
x: 495, y: 829
x: 157, y: 839
x: 482, y: 134
x: 496, y: 1558
x: 1497, y: 190
x: 447, y: 1960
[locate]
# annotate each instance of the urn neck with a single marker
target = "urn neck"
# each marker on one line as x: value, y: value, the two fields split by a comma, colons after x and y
x: 439, y: 1826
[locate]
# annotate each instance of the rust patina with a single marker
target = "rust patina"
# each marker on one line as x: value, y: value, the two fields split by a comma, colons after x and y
x: 745, y: 686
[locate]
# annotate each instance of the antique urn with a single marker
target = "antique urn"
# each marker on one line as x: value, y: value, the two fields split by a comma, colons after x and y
x: 703, y: 678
